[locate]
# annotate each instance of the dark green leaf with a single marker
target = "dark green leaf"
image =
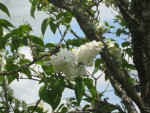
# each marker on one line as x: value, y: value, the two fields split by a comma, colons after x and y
x: 24, y: 61
x: 48, y: 69
x: 98, y: 62
x: 64, y: 110
x: 125, y: 44
x: 79, y: 89
x: 45, y: 23
x: 6, y: 24
x: 106, y: 23
x: 53, y: 27
x: 88, y: 100
x: 4, y: 9
x: 53, y: 95
x: 36, y: 40
x: 27, y: 72
x: 17, y: 110
x: 131, y: 66
x: 118, y: 32
x: 129, y: 51
x: 5, y: 40
x: 89, y: 83
x: 15, y: 44
x: 95, y: 71
x: 33, y: 8
x: 50, y: 45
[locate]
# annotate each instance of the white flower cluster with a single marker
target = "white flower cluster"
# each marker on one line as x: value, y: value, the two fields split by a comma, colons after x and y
x: 4, y: 33
x: 2, y: 61
x: 115, y: 51
x: 86, y: 53
x: 72, y: 63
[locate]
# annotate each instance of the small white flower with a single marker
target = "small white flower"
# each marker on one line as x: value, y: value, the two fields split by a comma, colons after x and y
x: 4, y: 33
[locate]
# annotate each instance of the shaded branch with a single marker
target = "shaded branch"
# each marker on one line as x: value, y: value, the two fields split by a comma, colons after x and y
x: 6, y: 96
x: 71, y: 86
x: 121, y: 93
x: 36, y: 105
x: 21, y: 68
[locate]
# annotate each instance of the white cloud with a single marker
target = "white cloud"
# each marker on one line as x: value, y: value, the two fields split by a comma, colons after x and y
x: 106, y: 14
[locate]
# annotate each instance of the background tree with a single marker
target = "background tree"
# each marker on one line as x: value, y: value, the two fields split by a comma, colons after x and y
x: 63, y: 64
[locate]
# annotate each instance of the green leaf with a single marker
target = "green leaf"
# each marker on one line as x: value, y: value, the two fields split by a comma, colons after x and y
x: 38, y: 109
x: 48, y: 69
x: 118, y: 32
x: 1, y: 32
x: 125, y: 44
x: 53, y: 94
x: 131, y: 66
x: 36, y: 40
x: 129, y: 51
x: 27, y: 72
x: 50, y: 45
x: 79, y: 89
x: 4, y: 9
x: 89, y: 83
x: 106, y: 23
x: 95, y: 70
x: 53, y: 27
x: 25, y: 28
x: 11, y: 78
x: 45, y: 23
x: 64, y: 110
x: 15, y: 44
x: 5, y: 40
x: 33, y: 8
x: 98, y: 62
x: 24, y: 61
x: 6, y: 24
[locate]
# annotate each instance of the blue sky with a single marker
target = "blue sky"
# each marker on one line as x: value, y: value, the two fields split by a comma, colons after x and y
x: 20, y: 13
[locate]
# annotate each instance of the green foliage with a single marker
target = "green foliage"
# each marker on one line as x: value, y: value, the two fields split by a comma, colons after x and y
x: 79, y: 89
x: 49, y: 21
x: 5, y: 24
x: 4, y: 9
x: 89, y: 83
x: 55, y: 83
x: 52, y: 94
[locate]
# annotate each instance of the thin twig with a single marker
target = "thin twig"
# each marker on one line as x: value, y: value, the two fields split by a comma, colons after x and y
x: 71, y: 86
x: 74, y: 34
x: 63, y: 35
x: 36, y: 105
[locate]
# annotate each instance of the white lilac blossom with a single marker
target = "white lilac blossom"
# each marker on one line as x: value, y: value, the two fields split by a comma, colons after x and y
x: 65, y: 61
x: 2, y: 61
x: 4, y: 33
x: 115, y: 51
x: 72, y: 63
x: 87, y: 52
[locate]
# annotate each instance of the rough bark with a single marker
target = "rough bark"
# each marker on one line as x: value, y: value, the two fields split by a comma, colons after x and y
x: 121, y: 93
x: 140, y: 11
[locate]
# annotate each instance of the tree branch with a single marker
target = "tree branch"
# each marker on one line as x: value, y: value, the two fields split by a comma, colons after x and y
x: 71, y: 86
x: 21, y: 68
x: 121, y: 93
x: 36, y: 105
x: 6, y: 96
